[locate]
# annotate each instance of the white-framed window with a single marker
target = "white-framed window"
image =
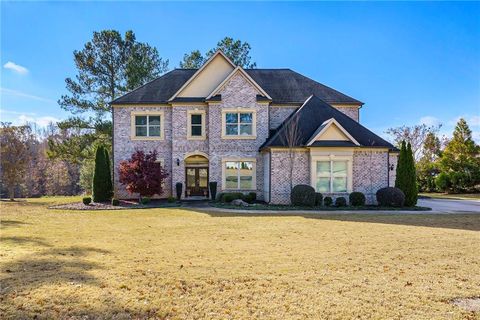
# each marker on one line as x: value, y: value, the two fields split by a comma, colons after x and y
x: 239, y: 174
x: 196, y: 125
x: 332, y: 176
x: 147, y: 125
x: 238, y: 124
x: 332, y: 173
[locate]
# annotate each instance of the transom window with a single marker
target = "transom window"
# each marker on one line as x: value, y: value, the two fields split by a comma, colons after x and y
x: 239, y: 124
x: 147, y: 126
x: 331, y: 176
x: 239, y: 175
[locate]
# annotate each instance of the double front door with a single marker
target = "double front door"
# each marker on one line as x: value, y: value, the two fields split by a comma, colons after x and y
x: 196, y: 181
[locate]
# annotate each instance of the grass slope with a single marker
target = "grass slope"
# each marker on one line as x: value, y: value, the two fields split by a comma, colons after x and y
x: 180, y: 264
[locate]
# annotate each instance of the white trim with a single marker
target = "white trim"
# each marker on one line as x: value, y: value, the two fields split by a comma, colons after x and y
x: 254, y: 172
x: 203, y: 136
x: 331, y: 158
x: 327, y: 124
x: 133, y: 135
x: 195, y: 153
x: 246, y: 77
x: 219, y: 52
x: 239, y: 110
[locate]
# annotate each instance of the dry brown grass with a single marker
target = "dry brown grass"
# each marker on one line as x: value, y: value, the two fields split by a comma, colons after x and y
x: 179, y: 264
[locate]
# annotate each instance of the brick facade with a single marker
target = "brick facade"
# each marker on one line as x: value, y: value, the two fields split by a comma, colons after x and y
x: 279, y: 114
x: 352, y: 112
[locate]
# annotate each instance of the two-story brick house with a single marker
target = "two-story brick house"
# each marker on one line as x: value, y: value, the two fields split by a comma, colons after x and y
x: 231, y: 125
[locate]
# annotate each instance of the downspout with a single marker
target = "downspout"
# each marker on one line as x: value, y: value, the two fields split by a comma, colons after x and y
x: 388, y: 168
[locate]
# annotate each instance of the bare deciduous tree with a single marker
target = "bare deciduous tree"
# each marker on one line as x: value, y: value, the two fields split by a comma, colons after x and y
x: 15, y: 155
x: 291, y: 137
x: 416, y: 135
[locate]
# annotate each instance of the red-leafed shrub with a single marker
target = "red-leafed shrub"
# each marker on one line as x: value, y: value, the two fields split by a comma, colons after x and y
x: 142, y: 174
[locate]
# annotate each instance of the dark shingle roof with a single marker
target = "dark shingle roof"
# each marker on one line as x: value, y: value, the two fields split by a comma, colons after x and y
x: 158, y: 90
x: 283, y: 86
x: 288, y: 86
x: 312, y: 115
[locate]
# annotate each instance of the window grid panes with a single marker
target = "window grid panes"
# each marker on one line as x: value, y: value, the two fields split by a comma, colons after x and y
x: 239, y: 175
x: 332, y: 176
x: 196, y: 125
x: 147, y: 126
x: 239, y: 124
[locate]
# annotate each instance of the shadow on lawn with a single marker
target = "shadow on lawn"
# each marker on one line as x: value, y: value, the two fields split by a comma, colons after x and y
x: 449, y: 221
x: 56, y: 284
x: 11, y: 223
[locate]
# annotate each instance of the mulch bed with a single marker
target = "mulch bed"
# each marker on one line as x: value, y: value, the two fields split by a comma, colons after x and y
x: 124, y: 204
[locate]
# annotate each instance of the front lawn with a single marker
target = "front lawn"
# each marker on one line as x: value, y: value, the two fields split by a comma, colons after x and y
x: 188, y: 264
x: 453, y: 196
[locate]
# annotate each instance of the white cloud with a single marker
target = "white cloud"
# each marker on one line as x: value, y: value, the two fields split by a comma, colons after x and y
x: 24, y: 95
x: 430, y: 121
x: 39, y: 121
x: 15, y: 67
x: 472, y: 121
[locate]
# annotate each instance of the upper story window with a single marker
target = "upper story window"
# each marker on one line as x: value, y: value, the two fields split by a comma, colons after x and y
x: 239, y: 124
x: 147, y: 125
x: 196, y: 125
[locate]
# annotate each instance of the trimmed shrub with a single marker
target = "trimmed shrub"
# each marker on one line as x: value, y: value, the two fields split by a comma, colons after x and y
x: 318, y: 199
x: 102, y: 182
x: 328, y: 201
x: 145, y: 200
x: 248, y: 198
x: 340, y: 202
x: 178, y: 188
x: 115, y: 202
x: 171, y: 199
x: 390, y: 197
x: 302, y: 195
x: 108, y: 174
x: 230, y: 196
x: 406, y: 176
x: 86, y: 200
x: 213, y: 189
x: 219, y: 196
x: 357, y: 199
x: 253, y: 195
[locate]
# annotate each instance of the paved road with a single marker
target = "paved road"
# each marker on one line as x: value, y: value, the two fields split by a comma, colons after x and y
x: 450, y: 206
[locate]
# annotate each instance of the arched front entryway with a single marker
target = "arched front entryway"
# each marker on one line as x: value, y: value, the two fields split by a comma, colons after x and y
x: 196, y: 176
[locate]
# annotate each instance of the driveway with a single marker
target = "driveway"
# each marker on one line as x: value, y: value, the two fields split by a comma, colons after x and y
x: 450, y: 206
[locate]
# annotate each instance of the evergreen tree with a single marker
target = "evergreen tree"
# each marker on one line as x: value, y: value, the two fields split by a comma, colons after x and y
x: 109, y: 174
x: 400, y: 176
x: 101, y: 177
x: 460, y: 160
x: 411, y: 192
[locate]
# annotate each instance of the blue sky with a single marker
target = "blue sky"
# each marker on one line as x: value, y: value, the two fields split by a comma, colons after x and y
x: 409, y: 62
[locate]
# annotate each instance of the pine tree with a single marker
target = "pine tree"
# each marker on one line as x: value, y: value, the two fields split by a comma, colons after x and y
x: 411, y: 192
x: 101, y: 177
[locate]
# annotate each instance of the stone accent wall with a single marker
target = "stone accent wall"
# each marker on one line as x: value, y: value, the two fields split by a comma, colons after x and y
x: 352, y: 112
x: 280, y: 174
x: 279, y: 114
x: 370, y: 172
x: 237, y: 93
x: 124, y: 146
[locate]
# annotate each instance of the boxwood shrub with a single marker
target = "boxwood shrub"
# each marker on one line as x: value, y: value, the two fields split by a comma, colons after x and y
x: 115, y: 202
x: 328, y: 201
x: 303, y: 195
x: 357, y: 199
x: 230, y: 196
x: 86, y: 200
x: 318, y: 199
x: 340, y: 202
x: 390, y: 197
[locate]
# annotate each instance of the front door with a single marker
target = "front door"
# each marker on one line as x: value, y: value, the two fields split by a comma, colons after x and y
x: 197, y: 181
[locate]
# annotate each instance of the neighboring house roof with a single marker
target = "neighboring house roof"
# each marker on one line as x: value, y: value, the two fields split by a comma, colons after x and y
x: 282, y: 85
x: 312, y: 115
